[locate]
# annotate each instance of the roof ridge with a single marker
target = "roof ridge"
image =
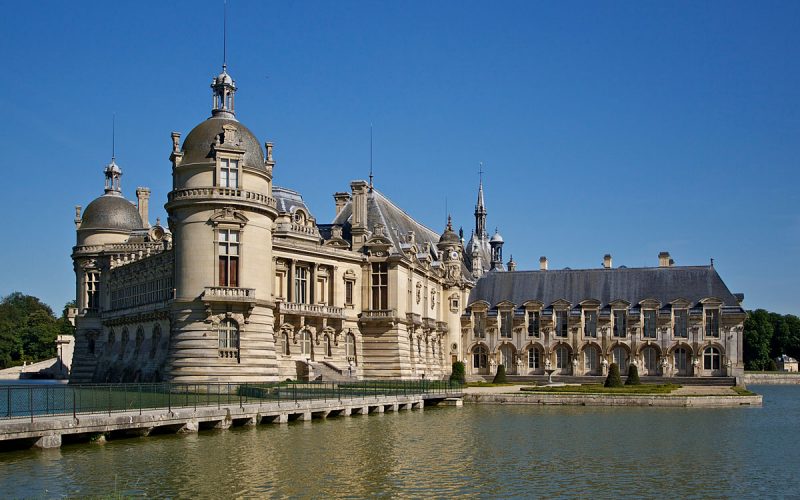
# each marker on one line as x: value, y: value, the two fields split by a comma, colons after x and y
x: 390, y: 202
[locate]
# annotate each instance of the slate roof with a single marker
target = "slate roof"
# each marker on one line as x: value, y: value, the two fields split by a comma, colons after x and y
x: 664, y: 284
x: 288, y: 200
x: 381, y: 210
x: 197, y: 145
x: 111, y: 211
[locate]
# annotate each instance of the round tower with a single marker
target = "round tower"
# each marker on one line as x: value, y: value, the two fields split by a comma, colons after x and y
x: 221, y: 214
x: 455, y: 288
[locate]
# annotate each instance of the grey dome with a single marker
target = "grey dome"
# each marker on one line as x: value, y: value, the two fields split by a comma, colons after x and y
x: 496, y: 238
x: 223, y: 78
x: 197, y: 145
x: 449, y: 236
x: 111, y: 211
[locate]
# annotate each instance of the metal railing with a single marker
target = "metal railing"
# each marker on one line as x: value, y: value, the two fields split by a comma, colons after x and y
x: 36, y: 401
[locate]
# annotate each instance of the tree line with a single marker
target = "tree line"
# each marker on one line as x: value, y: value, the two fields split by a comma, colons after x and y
x: 767, y: 335
x: 28, y: 329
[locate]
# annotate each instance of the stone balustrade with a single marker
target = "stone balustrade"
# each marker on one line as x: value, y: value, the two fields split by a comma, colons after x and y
x: 311, y: 309
x: 221, y: 193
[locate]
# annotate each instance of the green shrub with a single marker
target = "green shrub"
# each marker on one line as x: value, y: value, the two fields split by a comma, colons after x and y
x: 772, y: 366
x: 633, y: 376
x: 459, y: 372
x: 500, y: 376
x: 613, y: 379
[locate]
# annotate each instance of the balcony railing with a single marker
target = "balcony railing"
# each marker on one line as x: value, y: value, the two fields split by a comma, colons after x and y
x: 227, y: 293
x: 311, y: 309
x: 378, y: 314
x: 222, y: 193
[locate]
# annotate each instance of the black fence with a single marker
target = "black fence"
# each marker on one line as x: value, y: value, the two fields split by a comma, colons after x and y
x: 32, y: 401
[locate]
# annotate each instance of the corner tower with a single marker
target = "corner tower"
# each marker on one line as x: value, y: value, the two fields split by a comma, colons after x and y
x: 221, y: 212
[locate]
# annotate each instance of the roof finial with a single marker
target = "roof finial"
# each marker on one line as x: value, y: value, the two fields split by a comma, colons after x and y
x: 113, y: 136
x: 370, y: 156
x: 480, y: 174
x: 224, y: 35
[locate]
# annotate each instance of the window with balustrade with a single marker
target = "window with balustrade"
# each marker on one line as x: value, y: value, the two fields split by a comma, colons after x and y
x: 380, y: 285
x: 228, y: 336
x: 228, y: 244
x: 301, y: 285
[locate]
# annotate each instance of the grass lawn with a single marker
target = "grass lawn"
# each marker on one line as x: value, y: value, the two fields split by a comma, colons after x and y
x: 490, y: 384
x: 599, y: 389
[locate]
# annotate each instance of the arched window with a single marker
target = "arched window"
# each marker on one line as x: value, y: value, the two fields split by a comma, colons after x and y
x: 711, y: 359
x: 591, y: 360
x: 155, y: 340
x: 562, y: 357
x: 620, y: 356
x: 350, y: 347
x: 305, y: 343
x: 681, y: 360
x: 327, y: 345
x: 228, y: 333
x: 650, y: 360
x: 534, y: 358
x: 480, y: 357
x: 139, y: 340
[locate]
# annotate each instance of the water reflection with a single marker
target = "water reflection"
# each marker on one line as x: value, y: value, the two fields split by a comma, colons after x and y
x: 497, y: 451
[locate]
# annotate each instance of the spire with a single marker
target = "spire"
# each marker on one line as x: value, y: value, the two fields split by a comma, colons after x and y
x: 480, y: 209
x: 222, y: 85
x: 370, y: 157
x: 112, y: 170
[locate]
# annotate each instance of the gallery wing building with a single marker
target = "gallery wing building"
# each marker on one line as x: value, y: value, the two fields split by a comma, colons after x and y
x: 243, y: 284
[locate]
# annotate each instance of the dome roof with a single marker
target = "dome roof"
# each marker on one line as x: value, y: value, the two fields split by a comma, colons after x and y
x: 197, y: 145
x: 496, y: 238
x: 449, y: 236
x: 223, y: 78
x: 111, y: 211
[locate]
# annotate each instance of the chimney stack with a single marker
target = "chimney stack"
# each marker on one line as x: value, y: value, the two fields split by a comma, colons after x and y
x: 664, y: 260
x: 143, y: 199
x: 607, y: 261
x: 341, y: 200
x: 543, y: 263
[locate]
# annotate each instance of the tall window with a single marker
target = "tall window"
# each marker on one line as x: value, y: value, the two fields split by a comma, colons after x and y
x: 561, y: 323
x: 650, y: 360
x: 534, y: 358
x: 286, y: 347
x: 301, y: 285
x: 507, y: 321
x: 228, y: 257
x: 305, y: 343
x: 229, y: 173
x: 380, y: 285
x: 533, y: 323
x: 712, y: 323
x: 682, y: 323
x: 228, y: 333
x: 620, y: 323
x: 480, y: 357
x: 591, y: 359
x: 348, y: 292
x: 327, y: 345
x: 681, y: 360
x: 620, y: 356
x: 479, y: 328
x: 350, y: 347
x: 590, y: 323
x: 93, y: 291
x: 649, y: 324
x: 562, y: 357
x: 711, y: 359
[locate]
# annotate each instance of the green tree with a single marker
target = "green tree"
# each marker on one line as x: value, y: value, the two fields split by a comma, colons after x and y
x: 500, y: 376
x: 633, y: 376
x: 758, y: 333
x: 28, y: 330
x: 459, y: 373
x: 613, y: 379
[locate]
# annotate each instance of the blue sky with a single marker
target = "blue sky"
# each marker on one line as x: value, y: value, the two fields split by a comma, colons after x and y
x: 604, y: 127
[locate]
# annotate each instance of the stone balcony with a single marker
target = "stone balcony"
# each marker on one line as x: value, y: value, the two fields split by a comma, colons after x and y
x: 379, y: 316
x: 228, y: 294
x: 317, y: 310
x: 220, y: 193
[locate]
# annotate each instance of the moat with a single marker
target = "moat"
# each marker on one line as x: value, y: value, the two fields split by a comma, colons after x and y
x: 477, y: 450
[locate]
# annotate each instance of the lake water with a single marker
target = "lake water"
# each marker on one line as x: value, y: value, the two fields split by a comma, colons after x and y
x: 475, y: 451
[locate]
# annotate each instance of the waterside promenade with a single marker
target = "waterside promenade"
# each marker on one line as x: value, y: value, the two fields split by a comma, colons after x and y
x: 47, y: 416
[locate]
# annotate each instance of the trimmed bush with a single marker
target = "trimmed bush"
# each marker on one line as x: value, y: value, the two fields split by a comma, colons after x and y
x: 633, y: 376
x: 500, y: 376
x: 613, y: 379
x: 459, y: 372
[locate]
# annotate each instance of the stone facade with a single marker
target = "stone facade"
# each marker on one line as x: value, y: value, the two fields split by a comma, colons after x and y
x: 245, y: 285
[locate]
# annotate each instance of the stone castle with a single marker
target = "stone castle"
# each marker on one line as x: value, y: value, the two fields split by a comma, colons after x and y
x: 243, y: 284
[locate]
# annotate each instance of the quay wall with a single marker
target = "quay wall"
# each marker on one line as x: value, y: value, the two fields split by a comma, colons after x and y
x: 772, y: 378
x: 614, y: 400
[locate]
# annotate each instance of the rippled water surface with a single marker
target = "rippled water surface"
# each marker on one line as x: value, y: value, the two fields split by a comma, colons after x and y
x: 477, y: 451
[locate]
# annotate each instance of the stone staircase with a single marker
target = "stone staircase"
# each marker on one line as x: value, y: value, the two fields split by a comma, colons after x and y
x: 325, y: 371
x: 83, y: 368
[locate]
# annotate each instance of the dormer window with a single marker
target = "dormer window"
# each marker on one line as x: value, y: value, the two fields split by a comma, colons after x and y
x: 533, y: 323
x: 479, y: 328
x: 590, y: 323
x: 712, y: 323
x: 649, y: 330
x: 681, y: 329
x: 620, y: 323
x: 229, y: 173
x: 506, y: 322
x: 561, y: 323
